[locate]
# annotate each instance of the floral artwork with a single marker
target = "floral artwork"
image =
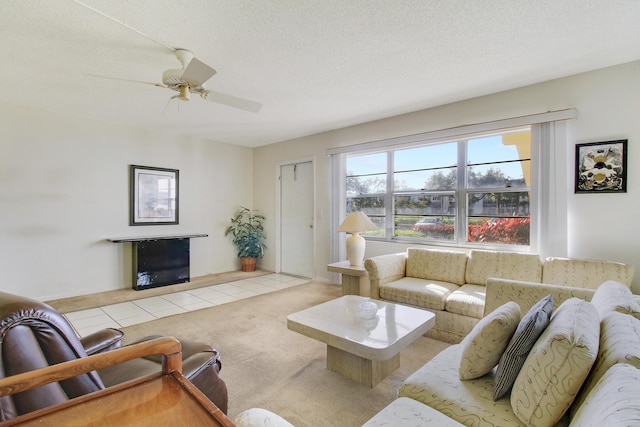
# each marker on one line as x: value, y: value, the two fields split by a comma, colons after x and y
x: 601, y: 167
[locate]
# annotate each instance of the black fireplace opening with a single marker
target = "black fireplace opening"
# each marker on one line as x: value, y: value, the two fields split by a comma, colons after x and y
x: 160, y: 263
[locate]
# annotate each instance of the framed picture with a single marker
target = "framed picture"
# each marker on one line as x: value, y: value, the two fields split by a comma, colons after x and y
x: 601, y: 167
x: 153, y: 195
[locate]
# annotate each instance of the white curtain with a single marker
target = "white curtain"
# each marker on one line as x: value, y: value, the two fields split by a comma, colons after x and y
x: 550, y: 142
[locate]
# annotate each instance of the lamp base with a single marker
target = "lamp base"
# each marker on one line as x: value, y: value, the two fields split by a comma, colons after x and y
x: 355, y: 249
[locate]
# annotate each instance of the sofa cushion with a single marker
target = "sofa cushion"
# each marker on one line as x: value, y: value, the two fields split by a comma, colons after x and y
x: 468, y: 301
x: 437, y: 385
x: 614, y: 401
x: 506, y: 265
x: 584, y: 273
x: 529, y: 329
x: 485, y: 344
x: 619, y: 343
x: 451, y: 327
x: 429, y: 294
x: 558, y: 364
x: 615, y: 296
x: 405, y: 412
x: 438, y: 265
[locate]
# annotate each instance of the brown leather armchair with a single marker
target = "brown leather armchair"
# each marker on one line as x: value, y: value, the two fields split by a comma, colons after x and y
x: 33, y: 335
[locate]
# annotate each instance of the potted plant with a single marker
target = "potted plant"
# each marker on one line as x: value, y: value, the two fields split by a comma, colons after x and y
x: 248, y: 233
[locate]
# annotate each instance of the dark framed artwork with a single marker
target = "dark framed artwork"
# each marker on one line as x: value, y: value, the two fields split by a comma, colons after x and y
x: 601, y: 167
x: 153, y: 195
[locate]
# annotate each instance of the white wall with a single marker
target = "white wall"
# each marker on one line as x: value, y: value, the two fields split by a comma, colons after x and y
x: 64, y: 190
x: 601, y: 226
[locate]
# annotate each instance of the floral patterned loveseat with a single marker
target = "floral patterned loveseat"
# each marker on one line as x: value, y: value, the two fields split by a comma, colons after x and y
x: 460, y: 288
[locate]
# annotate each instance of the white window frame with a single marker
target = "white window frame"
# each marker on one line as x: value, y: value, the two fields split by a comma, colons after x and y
x: 548, y: 150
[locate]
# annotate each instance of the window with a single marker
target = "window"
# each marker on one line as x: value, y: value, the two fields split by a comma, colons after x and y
x: 471, y: 191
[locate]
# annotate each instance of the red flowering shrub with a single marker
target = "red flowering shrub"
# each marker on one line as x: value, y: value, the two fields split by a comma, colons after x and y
x: 512, y: 231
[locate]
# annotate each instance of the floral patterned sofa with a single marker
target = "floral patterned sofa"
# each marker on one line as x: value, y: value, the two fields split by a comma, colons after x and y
x: 460, y: 288
x: 583, y: 369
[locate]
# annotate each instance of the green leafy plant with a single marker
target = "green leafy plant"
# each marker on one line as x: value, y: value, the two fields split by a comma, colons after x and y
x: 247, y: 231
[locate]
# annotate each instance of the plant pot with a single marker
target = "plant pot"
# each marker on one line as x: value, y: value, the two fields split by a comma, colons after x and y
x: 248, y: 263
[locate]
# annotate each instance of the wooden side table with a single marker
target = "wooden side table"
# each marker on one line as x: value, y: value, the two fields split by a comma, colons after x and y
x: 355, y: 280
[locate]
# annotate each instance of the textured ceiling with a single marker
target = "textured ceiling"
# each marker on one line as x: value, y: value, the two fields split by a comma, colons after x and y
x: 315, y: 65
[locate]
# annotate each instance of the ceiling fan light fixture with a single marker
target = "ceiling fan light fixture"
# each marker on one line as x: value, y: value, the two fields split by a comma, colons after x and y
x: 184, y: 93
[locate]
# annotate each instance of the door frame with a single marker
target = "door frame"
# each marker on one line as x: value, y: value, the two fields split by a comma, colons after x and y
x: 278, y: 240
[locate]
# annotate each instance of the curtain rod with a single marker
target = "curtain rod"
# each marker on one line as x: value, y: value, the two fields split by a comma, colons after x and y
x: 549, y: 116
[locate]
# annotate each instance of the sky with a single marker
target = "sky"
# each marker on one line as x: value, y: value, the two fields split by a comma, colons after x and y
x: 480, y: 150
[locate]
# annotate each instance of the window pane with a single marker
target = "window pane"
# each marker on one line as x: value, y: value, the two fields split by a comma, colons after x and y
x: 434, y: 179
x: 435, y: 227
x: 369, y: 184
x: 498, y: 204
x: 510, y: 231
x: 504, y: 175
x: 430, y: 216
x: 427, y: 157
x: 431, y: 167
x: 379, y: 222
x: 369, y: 205
x: 499, y: 161
x: 373, y: 207
x: 499, y: 218
x: 499, y: 148
x: 366, y: 164
x: 425, y: 204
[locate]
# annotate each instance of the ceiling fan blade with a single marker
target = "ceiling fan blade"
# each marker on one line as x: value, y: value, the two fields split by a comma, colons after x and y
x: 124, y: 80
x: 231, y: 101
x: 197, y: 72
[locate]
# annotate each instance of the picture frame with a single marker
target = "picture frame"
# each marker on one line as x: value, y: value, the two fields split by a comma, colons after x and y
x: 153, y: 195
x: 601, y: 167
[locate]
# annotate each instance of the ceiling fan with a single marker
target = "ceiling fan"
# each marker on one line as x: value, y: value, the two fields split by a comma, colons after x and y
x: 189, y: 79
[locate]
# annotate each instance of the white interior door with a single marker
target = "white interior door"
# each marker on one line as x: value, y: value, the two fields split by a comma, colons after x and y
x: 297, y: 235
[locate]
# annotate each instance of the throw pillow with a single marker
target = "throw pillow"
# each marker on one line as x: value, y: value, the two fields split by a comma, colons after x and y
x: 615, y: 296
x: 614, y: 401
x: 619, y: 343
x: 485, y: 344
x: 527, y: 333
x: 557, y: 365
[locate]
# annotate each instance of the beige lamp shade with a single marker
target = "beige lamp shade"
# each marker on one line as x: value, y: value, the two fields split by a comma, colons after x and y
x: 354, y: 223
x: 357, y: 222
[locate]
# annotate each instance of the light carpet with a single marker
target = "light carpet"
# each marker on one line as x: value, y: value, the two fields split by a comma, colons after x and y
x: 268, y: 366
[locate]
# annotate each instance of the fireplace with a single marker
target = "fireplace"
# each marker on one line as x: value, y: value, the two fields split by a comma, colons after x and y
x: 159, y: 260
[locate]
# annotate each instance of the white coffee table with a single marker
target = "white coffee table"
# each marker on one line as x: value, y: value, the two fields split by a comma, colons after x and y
x: 364, y: 350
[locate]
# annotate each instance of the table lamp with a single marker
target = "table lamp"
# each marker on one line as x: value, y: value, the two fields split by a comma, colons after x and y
x: 354, y: 223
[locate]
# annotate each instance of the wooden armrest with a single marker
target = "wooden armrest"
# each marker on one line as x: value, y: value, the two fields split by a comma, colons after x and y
x: 169, y: 347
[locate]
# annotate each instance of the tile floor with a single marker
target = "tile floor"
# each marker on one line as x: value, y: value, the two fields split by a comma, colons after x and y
x: 146, y: 309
